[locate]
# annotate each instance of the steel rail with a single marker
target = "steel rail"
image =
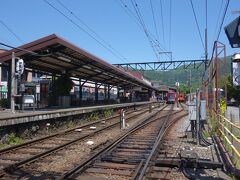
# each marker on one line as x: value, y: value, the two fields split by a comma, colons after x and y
x: 157, y: 143
x: 13, y: 167
x: 16, y: 147
x: 81, y: 167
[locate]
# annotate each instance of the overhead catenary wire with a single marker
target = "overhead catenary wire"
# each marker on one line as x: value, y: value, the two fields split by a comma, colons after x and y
x: 25, y: 50
x: 154, y: 21
x: 11, y: 31
x: 170, y: 24
x: 219, y: 14
x: 220, y: 27
x: 164, y: 42
x: 195, y: 17
x: 155, y: 43
x: 85, y: 31
x: 90, y: 29
x: 145, y: 29
x: 223, y: 17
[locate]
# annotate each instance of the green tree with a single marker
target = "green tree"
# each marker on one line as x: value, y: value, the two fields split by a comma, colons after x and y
x: 63, y: 85
x: 232, y: 92
x: 184, y: 89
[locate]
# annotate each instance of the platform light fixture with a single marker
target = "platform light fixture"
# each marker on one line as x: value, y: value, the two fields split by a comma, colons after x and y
x: 64, y: 59
x: 98, y: 71
x: 88, y: 67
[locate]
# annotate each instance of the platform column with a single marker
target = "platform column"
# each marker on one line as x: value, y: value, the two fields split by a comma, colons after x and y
x: 149, y: 95
x: 96, y: 92
x: 80, y: 92
x: 118, y: 95
x: 105, y: 92
x: 13, y: 83
x: 108, y: 91
x: 9, y: 85
x: 55, y: 97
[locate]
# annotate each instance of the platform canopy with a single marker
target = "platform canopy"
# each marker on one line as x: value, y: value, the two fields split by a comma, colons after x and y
x: 53, y: 54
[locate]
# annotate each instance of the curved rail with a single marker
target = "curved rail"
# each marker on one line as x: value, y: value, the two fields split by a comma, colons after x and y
x: 73, y: 173
x: 10, y: 169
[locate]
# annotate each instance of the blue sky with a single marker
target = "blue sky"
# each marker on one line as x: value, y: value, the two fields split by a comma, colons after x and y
x: 33, y: 19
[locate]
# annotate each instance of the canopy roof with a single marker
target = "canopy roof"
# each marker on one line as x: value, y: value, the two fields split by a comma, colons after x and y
x: 57, y: 56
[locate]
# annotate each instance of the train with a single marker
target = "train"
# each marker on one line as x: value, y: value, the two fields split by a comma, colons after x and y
x: 181, y: 97
x: 171, y: 97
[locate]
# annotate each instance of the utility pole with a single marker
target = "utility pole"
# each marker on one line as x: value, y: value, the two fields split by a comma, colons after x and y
x: 13, y: 83
x: 206, y: 50
x: 198, y: 114
x: 177, y: 85
x: 206, y: 45
x: 190, y: 85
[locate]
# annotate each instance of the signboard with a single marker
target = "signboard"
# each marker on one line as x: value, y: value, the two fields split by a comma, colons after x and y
x: 28, y: 99
x: 38, y: 89
x: 232, y: 31
x: 236, y: 73
x: 20, y: 66
x: 137, y: 88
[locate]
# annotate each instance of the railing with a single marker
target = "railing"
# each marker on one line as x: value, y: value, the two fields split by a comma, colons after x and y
x: 229, y: 133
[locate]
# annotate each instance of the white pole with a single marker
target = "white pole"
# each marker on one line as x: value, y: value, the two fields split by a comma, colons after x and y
x: 198, y: 114
x: 123, y: 120
x: 13, y: 79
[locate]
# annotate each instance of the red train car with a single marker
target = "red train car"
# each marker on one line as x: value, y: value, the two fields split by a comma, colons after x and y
x: 181, y: 97
x: 171, y: 97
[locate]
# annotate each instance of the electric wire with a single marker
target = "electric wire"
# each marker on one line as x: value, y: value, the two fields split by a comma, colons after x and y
x: 170, y: 25
x: 154, y: 21
x: 154, y: 43
x: 151, y: 38
x: 195, y: 17
x: 164, y: 42
x: 82, y: 29
x: 11, y: 31
x: 224, y: 15
x: 135, y: 6
x: 25, y: 50
x: 219, y: 13
x: 89, y: 28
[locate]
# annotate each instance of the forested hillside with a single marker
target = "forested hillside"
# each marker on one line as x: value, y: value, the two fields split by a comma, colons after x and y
x: 181, y: 75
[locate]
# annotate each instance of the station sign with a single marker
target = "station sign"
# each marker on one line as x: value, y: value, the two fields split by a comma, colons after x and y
x: 232, y: 31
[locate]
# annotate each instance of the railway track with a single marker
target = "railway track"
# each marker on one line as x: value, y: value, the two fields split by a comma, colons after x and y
x: 11, y: 159
x: 126, y: 157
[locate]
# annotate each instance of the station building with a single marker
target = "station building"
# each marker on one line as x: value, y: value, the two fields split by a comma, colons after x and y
x: 95, y: 81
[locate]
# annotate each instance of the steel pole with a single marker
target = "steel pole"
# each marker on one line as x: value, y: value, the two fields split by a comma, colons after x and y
x: 198, y: 114
x: 13, y: 81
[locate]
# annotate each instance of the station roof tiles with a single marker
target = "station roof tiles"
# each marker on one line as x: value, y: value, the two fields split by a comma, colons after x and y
x: 58, y: 56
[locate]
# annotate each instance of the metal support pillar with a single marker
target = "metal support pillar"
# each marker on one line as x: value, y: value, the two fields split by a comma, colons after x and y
x: 118, y: 92
x: 105, y: 92
x: 55, y: 98
x: 80, y: 92
x: 108, y: 93
x: 13, y: 83
x: 198, y: 114
x: 149, y: 95
x: 9, y: 87
x: 96, y: 93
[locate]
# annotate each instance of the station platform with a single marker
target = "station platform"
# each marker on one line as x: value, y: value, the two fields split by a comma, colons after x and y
x: 8, y: 118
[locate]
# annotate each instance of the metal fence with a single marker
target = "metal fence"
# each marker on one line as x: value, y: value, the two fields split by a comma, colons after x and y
x: 215, y: 92
x: 230, y: 133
